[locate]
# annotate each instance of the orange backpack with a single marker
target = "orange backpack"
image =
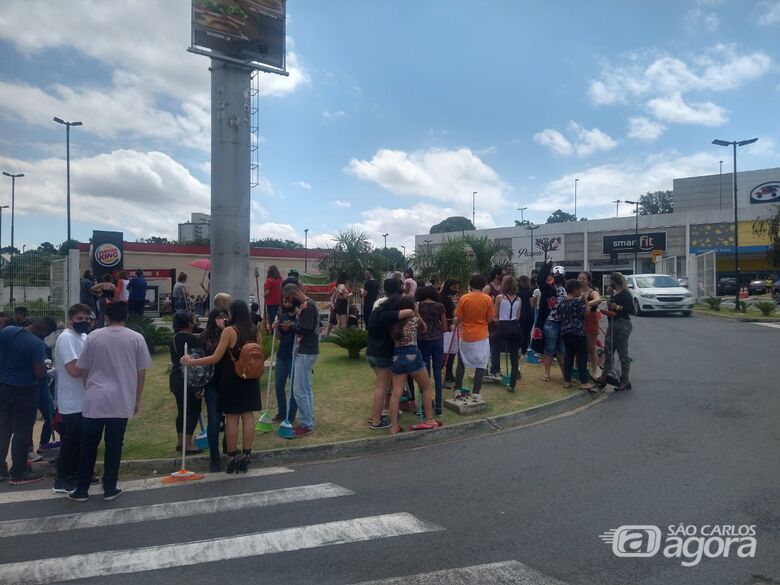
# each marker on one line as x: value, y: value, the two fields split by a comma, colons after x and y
x: 250, y: 364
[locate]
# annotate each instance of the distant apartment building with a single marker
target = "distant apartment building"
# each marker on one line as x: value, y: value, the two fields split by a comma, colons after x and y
x: 198, y: 228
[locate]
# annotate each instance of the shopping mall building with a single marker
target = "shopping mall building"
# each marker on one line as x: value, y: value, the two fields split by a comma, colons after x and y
x: 697, y: 238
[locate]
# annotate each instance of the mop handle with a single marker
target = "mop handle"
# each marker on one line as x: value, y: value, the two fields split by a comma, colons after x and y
x: 271, y: 371
x: 292, y: 381
x: 449, y: 349
x: 184, y: 415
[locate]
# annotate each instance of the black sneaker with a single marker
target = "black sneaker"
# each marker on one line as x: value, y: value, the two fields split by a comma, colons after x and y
x: 4, y: 475
x: 63, y: 487
x: 95, y: 480
x: 28, y: 477
x: 384, y: 423
x: 215, y: 466
x: 112, y: 495
x: 77, y: 496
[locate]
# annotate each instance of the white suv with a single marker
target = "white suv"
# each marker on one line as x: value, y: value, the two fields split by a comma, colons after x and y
x: 659, y: 293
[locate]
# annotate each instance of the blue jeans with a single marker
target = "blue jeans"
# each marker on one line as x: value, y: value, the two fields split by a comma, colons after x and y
x: 302, y: 390
x: 92, y: 431
x: 271, y: 310
x: 553, y: 344
x: 214, y: 418
x: 46, y: 409
x: 433, y: 351
x: 281, y: 373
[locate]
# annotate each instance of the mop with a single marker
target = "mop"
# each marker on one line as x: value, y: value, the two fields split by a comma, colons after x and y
x: 264, y: 423
x: 507, y: 377
x: 285, y: 429
x: 183, y: 474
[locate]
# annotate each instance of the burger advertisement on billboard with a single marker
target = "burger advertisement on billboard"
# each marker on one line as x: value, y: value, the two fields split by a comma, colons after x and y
x: 242, y: 30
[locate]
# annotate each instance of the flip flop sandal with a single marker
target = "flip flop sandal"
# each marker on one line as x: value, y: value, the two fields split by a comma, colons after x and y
x: 545, y: 378
x: 424, y: 426
x: 400, y: 430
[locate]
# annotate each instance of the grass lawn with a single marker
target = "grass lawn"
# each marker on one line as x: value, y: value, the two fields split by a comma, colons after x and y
x: 342, y: 397
x: 728, y: 313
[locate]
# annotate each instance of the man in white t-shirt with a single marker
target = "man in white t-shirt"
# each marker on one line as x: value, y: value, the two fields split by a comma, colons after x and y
x: 410, y: 284
x: 70, y: 395
x: 114, y: 363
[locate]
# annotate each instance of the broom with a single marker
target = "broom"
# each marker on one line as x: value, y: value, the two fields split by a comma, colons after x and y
x: 285, y: 429
x: 264, y: 423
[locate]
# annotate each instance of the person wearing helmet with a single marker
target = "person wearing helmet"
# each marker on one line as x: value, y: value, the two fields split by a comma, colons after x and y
x: 551, y: 282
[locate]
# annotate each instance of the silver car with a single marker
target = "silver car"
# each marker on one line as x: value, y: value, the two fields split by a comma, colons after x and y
x: 659, y: 293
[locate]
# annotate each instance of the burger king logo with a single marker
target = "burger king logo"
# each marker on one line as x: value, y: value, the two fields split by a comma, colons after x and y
x: 108, y: 255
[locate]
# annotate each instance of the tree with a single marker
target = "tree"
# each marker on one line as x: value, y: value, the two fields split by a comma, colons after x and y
x: 67, y: 245
x: 275, y: 243
x: 656, y: 203
x: 10, y: 250
x: 158, y: 240
x: 769, y: 227
x: 455, y: 223
x: 559, y: 216
x: 387, y: 259
x: 351, y: 254
x: 47, y: 248
x: 519, y: 223
x: 487, y: 253
x: 453, y: 261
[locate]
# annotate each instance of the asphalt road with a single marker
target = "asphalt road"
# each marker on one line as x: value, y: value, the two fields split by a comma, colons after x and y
x: 696, y: 442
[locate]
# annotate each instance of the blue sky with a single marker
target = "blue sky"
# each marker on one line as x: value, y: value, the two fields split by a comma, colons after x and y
x: 394, y: 112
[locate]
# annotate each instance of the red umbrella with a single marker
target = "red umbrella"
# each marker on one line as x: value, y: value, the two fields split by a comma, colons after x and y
x: 202, y: 263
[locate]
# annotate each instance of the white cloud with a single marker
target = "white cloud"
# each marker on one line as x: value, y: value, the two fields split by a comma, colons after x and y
x: 143, y: 193
x: 303, y: 185
x: 640, y: 128
x: 702, y: 17
x: 584, y: 142
x: 720, y: 68
x: 675, y: 110
x: 555, y: 141
x: 338, y: 203
x: 337, y: 115
x: 285, y: 231
x: 445, y: 175
x: 768, y: 13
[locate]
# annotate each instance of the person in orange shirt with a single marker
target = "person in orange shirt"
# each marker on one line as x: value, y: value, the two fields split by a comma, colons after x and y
x: 474, y: 312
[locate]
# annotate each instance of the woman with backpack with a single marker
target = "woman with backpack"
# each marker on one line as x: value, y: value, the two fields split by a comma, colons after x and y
x: 209, y: 340
x: 184, y: 323
x: 239, y: 397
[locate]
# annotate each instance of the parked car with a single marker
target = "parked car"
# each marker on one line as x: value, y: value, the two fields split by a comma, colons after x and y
x: 659, y: 293
x: 683, y: 280
x: 727, y: 285
x: 777, y: 291
x: 757, y: 286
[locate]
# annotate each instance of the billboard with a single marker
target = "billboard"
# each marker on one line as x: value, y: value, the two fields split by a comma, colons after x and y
x: 241, y: 30
x: 719, y: 237
x: 766, y: 193
x: 544, y: 248
x: 106, y: 253
x: 630, y: 243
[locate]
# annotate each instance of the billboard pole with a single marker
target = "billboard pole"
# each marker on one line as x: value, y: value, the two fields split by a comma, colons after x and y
x: 230, y: 178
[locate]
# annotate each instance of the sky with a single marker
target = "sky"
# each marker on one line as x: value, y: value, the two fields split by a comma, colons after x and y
x: 393, y: 114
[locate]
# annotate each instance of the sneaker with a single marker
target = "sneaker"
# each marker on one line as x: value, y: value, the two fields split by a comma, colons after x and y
x: 50, y: 445
x: 384, y: 423
x: 277, y: 419
x: 215, y: 466
x: 4, y: 475
x: 63, y: 487
x: 477, y: 399
x: 112, y: 495
x: 28, y: 477
x: 77, y: 496
x: 243, y: 465
x: 32, y: 457
x: 302, y: 431
x: 95, y: 480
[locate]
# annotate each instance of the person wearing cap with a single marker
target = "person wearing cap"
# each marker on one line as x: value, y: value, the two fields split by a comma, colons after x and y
x: 551, y: 282
x: 292, y: 278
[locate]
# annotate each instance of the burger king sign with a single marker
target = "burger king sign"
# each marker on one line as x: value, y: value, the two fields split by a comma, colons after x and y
x: 108, y: 255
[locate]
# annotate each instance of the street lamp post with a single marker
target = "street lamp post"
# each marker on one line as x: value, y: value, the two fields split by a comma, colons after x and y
x: 720, y: 187
x: 617, y: 203
x: 385, y: 237
x: 404, y: 252
x: 306, y: 251
x: 734, y: 144
x: 67, y: 157
x: 13, y: 200
x: 531, y: 227
x: 522, y: 215
x: 636, y: 231
x: 474, y: 209
x: 575, y: 198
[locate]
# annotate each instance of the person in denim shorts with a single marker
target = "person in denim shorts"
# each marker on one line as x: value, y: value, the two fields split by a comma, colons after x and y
x: 408, y: 361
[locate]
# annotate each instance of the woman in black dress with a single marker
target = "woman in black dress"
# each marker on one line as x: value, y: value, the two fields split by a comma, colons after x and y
x: 238, y: 398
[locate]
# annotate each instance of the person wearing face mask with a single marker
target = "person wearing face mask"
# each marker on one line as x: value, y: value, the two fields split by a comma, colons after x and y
x: 22, y: 365
x: 70, y: 395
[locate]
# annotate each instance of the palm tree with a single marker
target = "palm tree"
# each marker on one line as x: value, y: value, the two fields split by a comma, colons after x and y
x: 452, y: 260
x: 488, y: 253
x: 351, y: 254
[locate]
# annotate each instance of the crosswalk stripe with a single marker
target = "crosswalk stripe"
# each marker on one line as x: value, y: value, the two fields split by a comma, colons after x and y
x: 773, y: 325
x: 134, y: 485
x: 187, y: 508
x: 506, y: 573
x: 207, y: 551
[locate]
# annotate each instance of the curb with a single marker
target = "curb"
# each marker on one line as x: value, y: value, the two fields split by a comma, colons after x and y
x: 736, y: 319
x: 374, y: 445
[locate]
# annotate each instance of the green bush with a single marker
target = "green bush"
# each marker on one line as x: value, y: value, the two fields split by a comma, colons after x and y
x: 155, y: 337
x: 714, y: 303
x: 353, y: 340
x: 740, y: 306
x: 766, y: 307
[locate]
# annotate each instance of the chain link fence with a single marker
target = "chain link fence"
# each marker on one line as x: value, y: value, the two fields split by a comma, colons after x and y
x: 37, y: 281
x: 706, y: 275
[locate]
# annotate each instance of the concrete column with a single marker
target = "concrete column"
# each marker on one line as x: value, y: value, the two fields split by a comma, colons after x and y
x: 230, y: 142
x: 585, y: 248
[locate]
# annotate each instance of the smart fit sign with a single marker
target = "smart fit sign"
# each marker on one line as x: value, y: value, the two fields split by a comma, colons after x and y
x: 630, y: 243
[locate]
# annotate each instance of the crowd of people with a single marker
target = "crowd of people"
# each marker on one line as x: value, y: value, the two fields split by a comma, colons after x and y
x: 420, y: 335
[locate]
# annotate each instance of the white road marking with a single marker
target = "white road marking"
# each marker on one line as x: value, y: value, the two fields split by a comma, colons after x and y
x: 773, y: 325
x: 135, y: 485
x: 136, y: 514
x: 506, y: 573
x: 151, y: 558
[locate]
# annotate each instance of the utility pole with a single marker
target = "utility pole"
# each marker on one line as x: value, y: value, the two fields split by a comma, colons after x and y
x: 617, y: 203
x: 13, y: 206
x: 636, y: 232
x: 385, y: 237
x: 720, y: 186
x: 67, y: 158
x: 306, y: 251
x: 474, y: 209
x: 575, y: 198
x: 522, y: 215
